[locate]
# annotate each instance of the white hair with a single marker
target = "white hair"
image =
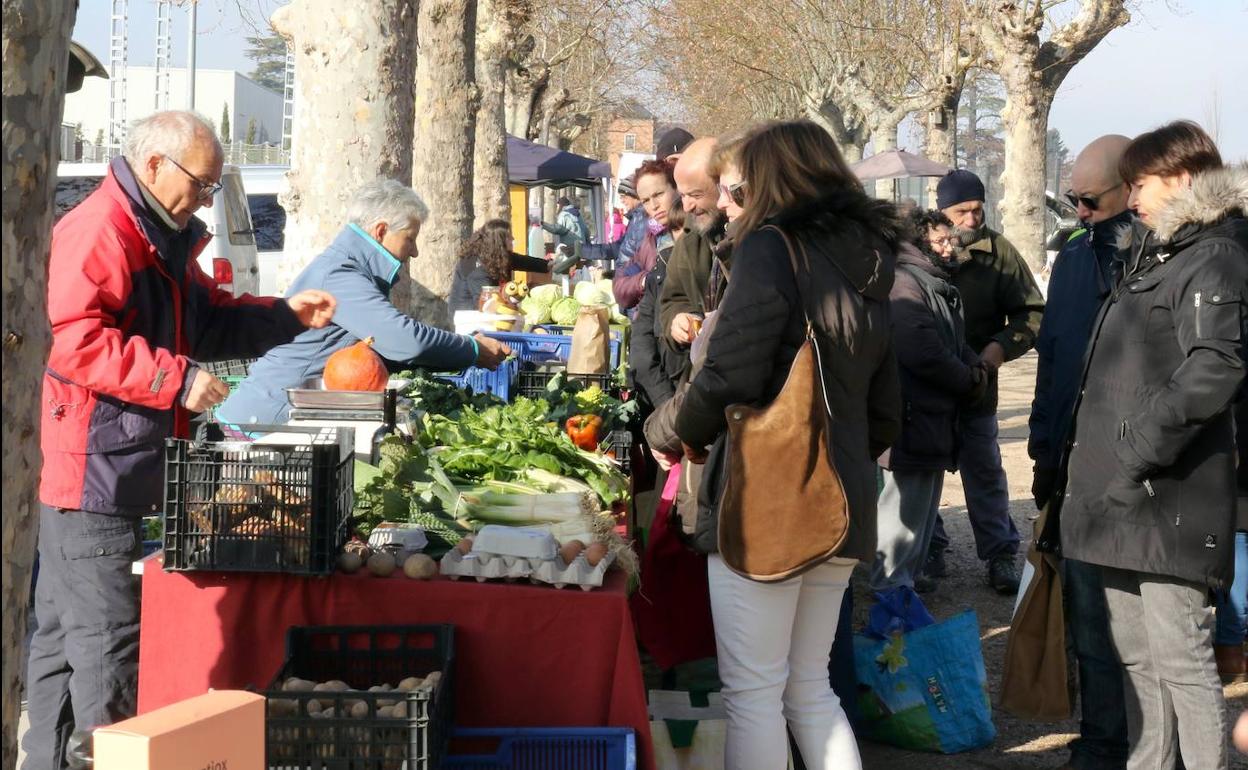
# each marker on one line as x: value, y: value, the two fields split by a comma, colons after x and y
x: 170, y: 133
x: 388, y: 201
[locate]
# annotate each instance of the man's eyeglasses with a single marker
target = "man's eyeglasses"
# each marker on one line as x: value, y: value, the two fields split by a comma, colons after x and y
x: 1089, y: 202
x: 735, y: 192
x: 206, y: 189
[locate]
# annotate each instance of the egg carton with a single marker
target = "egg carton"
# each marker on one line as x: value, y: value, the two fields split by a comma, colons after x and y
x: 487, y: 566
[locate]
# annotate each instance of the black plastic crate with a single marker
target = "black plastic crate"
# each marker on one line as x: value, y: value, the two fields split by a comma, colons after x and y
x: 620, y: 445
x: 242, y: 507
x: 362, y: 657
x: 236, y: 367
x: 531, y: 383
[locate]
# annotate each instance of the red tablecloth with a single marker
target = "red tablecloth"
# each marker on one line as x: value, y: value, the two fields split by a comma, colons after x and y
x: 526, y: 656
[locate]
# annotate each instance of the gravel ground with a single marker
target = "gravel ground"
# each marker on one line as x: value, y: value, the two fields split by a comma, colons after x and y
x: 1020, y: 744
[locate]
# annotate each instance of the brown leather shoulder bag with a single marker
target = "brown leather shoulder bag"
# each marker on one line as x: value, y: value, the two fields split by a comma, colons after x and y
x: 783, y: 509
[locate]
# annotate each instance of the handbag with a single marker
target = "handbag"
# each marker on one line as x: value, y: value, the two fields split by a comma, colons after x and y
x: 783, y: 509
x: 1035, y: 684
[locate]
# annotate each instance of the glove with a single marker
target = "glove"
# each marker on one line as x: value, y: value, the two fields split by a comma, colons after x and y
x: 1043, y: 479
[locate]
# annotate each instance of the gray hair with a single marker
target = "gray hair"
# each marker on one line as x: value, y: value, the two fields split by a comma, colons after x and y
x: 170, y: 133
x: 389, y: 201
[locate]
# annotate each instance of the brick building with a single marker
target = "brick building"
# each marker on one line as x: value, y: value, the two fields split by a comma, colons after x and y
x: 631, y: 130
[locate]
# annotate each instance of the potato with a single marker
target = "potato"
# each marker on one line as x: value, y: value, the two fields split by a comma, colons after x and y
x: 399, y: 711
x: 350, y: 562
x: 385, y: 712
x: 282, y: 707
x: 571, y: 550
x: 434, y: 678
x: 595, y: 553
x: 381, y: 564
x: 359, y: 710
x: 337, y: 685
x: 420, y: 567
x: 295, y: 684
x: 386, y: 702
x: 411, y: 683
x: 313, y: 707
x: 329, y: 713
x: 376, y: 688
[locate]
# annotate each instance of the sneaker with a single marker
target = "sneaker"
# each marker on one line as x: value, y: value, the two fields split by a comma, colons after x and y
x: 935, y: 567
x: 1003, y: 574
x: 924, y: 584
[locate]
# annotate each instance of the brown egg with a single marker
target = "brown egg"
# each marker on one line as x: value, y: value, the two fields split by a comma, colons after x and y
x: 571, y: 550
x: 595, y: 553
x: 464, y: 546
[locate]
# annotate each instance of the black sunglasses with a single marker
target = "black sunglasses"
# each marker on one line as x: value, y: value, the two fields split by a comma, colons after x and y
x: 1090, y: 202
x: 206, y: 189
x: 735, y: 192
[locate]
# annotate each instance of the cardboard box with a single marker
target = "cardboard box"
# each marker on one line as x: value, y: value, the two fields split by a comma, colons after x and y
x: 221, y: 730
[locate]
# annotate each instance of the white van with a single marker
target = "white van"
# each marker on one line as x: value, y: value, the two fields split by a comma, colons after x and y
x: 230, y: 259
x: 263, y: 183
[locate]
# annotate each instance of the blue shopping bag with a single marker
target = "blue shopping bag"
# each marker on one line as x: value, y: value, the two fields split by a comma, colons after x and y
x: 926, y: 689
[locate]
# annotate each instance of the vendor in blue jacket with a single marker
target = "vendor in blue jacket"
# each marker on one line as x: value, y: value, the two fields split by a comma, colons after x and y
x: 359, y: 268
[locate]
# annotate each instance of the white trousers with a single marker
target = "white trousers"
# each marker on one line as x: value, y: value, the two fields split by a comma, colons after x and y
x: 774, y: 641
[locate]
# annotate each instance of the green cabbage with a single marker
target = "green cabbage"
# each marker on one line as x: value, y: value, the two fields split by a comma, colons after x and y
x: 589, y: 293
x: 565, y: 311
x: 535, y: 311
x: 546, y: 294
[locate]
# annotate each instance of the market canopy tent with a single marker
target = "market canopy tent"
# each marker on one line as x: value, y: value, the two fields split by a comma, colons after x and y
x: 531, y: 165
x: 897, y: 164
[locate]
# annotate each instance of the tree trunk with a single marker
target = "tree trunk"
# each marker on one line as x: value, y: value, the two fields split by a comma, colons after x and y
x: 884, y: 139
x: 443, y: 160
x: 941, y: 131
x: 354, y: 113
x: 36, y: 58
x: 852, y: 140
x: 490, y: 196
x: 1025, y: 118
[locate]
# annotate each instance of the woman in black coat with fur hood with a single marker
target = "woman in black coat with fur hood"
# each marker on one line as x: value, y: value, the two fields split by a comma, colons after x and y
x: 773, y: 638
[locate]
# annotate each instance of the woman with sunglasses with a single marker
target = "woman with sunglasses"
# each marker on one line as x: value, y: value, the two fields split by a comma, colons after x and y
x: 774, y: 639
x: 1151, y: 496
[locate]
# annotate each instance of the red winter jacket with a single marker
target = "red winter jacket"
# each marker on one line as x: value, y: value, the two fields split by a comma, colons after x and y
x: 131, y: 313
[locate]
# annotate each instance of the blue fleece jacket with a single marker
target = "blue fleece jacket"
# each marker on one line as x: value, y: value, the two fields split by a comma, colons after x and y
x: 1084, y: 273
x: 359, y: 272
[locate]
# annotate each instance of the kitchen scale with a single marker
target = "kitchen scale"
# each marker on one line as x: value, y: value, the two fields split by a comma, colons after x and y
x: 312, y: 406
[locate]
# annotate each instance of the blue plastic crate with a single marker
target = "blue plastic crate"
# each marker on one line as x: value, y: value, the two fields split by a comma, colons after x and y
x: 500, y: 382
x: 544, y: 348
x: 544, y: 748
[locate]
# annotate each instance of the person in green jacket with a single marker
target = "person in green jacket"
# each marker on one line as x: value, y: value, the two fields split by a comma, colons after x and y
x: 1003, y: 306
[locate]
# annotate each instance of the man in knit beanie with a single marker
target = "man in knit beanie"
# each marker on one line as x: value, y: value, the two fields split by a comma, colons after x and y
x: 1003, y: 306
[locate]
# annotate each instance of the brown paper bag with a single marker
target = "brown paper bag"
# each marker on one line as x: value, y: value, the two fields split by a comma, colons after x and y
x: 1034, y: 684
x: 591, y: 342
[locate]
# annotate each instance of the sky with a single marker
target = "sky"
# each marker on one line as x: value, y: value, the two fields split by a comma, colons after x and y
x: 1176, y: 59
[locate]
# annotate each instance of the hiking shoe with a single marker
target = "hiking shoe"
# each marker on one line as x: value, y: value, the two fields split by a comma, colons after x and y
x: 924, y: 584
x: 1003, y: 574
x: 935, y: 567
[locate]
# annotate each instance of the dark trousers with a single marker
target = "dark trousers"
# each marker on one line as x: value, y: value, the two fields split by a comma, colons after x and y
x: 987, y: 493
x: 1102, y: 741
x: 84, y: 657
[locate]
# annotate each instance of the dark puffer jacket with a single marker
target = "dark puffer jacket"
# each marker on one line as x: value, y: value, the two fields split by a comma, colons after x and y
x: 850, y: 240
x: 1152, y: 467
x: 937, y: 366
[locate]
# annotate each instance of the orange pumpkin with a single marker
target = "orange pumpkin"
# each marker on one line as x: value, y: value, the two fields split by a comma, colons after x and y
x: 357, y: 367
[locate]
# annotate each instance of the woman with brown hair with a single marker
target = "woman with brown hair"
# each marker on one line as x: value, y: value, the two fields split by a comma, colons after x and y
x: 774, y: 638
x: 656, y: 187
x: 487, y: 259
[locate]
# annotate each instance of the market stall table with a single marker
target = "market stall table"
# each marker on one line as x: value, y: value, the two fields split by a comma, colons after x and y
x: 526, y: 656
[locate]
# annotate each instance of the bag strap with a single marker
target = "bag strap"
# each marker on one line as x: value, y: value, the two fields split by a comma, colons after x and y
x: 810, y: 327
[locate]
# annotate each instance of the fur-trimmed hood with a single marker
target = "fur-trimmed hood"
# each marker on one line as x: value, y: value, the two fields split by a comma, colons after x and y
x: 1212, y: 197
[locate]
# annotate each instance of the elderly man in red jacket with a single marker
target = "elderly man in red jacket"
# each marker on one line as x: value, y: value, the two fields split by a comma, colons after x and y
x: 131, y: 314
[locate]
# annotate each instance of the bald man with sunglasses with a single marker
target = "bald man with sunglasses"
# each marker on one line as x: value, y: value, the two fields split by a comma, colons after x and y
x: 1084, y: 274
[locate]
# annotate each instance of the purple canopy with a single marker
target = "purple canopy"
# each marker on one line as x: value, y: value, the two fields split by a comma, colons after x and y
x: 897, y: 164
x: 530, y: 164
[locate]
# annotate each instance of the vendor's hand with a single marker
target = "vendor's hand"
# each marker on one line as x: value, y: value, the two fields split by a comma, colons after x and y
x: 665, y: 460
x: 314, y: 308
x: 684, y: 328
x: 206, y: 392
x: 491, y: 352
x: 993, y: 356
x: 694, y: 455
